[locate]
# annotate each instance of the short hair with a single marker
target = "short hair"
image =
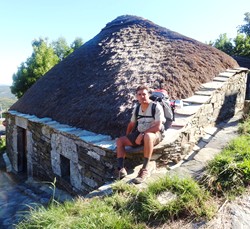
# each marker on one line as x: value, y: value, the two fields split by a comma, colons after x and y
x: 142, y: 87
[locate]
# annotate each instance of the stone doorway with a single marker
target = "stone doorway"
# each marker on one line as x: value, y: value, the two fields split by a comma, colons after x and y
x: 22, y: 149
x: 65, y: 168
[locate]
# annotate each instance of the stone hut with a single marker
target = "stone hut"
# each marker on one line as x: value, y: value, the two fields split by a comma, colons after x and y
x: 53, y: 130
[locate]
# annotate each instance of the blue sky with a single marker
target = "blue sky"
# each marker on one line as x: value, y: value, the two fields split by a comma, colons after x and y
x: 26, y: 20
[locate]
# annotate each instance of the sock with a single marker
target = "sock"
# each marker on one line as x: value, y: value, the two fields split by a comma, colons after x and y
x: 120, y: 162
x: 145, y: 162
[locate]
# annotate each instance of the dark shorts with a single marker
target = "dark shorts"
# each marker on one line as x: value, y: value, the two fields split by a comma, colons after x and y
x: 132, y: 137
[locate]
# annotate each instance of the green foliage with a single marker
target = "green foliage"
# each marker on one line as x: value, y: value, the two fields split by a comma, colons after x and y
x: 229, y: 172
x: 62, y: 49
x: 245, y: 28
x: 242, y: 45
x: 244, y: 127
x: 2, y: 144
x: 224, y: 44
x: 239, y: 46
x: 128, y: 207
x: 188, y: 200
x: 82, y: 213
x: 44, y: 57
x: 77, y: 43
x: 185, y: 199
x: 42, y: 60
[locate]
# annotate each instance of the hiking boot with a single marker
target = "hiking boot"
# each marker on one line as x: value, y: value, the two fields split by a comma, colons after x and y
x: 122, y: 173
x: 141, y: 177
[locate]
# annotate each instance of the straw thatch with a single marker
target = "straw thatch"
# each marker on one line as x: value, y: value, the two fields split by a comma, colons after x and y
x: 93, y: 88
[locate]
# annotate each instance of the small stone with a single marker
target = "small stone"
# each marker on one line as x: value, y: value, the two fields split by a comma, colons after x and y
x: 166, y: 197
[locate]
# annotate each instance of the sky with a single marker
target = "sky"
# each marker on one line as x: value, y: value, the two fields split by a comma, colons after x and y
x: 23, y: 21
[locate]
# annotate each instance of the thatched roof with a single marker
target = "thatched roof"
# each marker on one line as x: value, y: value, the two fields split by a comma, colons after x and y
x: 93, y: 88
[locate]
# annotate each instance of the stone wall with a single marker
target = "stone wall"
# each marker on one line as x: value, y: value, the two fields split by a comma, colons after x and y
x: 215, y: 102
x: 51, y: 147
x: 82, y: 161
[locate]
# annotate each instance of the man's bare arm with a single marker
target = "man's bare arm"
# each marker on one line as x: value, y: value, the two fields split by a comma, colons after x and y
x: 130, y: 127
x: 155, y: 128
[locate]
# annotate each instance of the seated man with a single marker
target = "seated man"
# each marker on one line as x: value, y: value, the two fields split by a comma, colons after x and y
x: 142, y: 130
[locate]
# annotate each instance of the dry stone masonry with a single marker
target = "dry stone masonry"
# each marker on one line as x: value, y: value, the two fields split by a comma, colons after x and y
x: 81, y: 161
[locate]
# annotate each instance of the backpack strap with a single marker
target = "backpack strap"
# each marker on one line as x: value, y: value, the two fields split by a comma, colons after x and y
x: 137, y: 110
x: 143, y: 116
x: 153, y: 110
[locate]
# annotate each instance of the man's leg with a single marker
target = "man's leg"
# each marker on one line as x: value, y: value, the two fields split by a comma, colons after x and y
x: 121, y: 153
x: 150, y: 139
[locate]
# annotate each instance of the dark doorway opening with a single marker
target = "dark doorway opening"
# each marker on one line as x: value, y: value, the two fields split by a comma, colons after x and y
x: 65, y: 168
x: 22, y: 149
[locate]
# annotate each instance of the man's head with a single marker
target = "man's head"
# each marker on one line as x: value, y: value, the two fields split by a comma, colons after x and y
x: 142, y: 94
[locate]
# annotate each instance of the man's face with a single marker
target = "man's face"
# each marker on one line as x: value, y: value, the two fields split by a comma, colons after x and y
x: 143, y: 96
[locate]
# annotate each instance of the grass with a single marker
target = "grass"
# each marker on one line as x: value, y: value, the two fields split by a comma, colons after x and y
x: 188, y: 200
x: 244, y: 126
x: 229, y: 172
x: 227, y: 175
x: 2, y: 144
x: 128, y: 207
x: 82, y: 213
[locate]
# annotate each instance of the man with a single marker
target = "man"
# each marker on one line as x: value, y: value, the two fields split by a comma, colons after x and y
x: 142, y: 130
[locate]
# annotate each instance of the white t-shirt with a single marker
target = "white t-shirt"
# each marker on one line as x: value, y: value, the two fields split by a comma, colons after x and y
x: 145, y: 123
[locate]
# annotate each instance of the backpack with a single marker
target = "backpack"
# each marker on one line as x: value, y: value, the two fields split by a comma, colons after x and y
x: 160, y: 96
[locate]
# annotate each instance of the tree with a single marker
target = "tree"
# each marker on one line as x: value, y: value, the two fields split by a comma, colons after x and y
x: 240, y: 46
x: 62, y: 49
x: 42, y: 60
x: 77, y: 43
x: 224, y: 44
x: 245, y: 28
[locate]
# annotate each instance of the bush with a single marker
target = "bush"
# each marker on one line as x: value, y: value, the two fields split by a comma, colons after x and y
x: 2, y: 144
x: 244, y: 127
x: 229, y: 172
x: 186, y: 199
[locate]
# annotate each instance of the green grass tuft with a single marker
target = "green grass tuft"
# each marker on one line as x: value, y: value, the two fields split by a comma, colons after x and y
x: 2, y: 144
x: 229, y: 172
x: 128, y: 207
x: 244, y: 127
x: 82, y: 213
x: 187, y: 199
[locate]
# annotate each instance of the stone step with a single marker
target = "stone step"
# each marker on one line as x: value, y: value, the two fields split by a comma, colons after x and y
x: 205, y: 91
x: 220, y: 79
x: 212, y: 85
x: 187, y: 110
x: 228, y: 73
x: 197, y: 99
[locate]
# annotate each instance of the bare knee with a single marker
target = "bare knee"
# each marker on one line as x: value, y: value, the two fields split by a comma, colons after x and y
x: 150, y: 138
x: 119, y: 142
x: 122, y: 142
